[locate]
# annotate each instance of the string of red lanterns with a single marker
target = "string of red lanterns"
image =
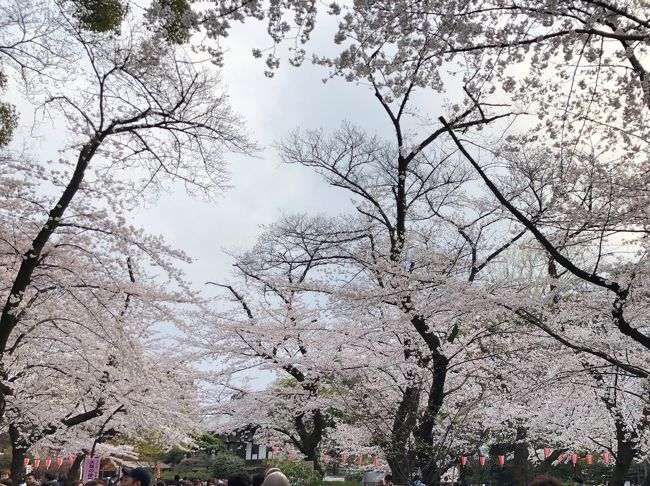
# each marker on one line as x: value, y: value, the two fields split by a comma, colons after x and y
x: 589, y: 458
x: 47, y: 462
x: 605, y: 457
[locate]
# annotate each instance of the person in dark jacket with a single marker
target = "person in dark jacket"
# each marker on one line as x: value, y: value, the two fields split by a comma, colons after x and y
x: 545, y: 481
x: 239, y: 479
x: 50, y: 480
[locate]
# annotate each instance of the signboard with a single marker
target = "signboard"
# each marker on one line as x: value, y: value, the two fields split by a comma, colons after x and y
x: 28, y: 469
x: 91, y: 468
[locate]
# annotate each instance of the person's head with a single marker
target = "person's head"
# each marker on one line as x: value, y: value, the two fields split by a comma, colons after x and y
x: 276, y: 479
x: 177, y: 477
x: 258, y: 479
x: 100, y: 482
x: 138, y: 476
x: 239, y: 479
x: 271, y: 470
x: 5, y: 473
x: 78, y: 483
x: 92, y: 482
x: 388, y: 477
x: 30, y: 479
x: 160, y: 483
x: 545, y: 481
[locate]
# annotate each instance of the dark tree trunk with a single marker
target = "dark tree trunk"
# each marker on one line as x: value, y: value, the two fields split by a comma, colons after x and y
x: 521, y: 458
x: 309, y: 440
x: 17, y: 464
x: 624, y: 457
x: 398, y: 453
x: 75, y: 470
x: 428, y: 458
x: 18, y: 451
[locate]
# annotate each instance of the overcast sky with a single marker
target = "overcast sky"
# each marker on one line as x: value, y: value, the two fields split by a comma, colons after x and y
x: 262, y: 187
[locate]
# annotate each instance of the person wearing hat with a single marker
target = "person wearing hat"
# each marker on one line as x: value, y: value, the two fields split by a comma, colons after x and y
x: 138, y: 476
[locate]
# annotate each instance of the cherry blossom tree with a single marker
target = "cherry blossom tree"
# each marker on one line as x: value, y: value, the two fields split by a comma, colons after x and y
x: 82, y: 354
x: 134, y: 107
x: 273, y: 324
x: 576, y: 67
x: 373, y: 270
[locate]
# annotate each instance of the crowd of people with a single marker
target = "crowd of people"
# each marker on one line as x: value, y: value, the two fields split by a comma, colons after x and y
x: 141, y: 477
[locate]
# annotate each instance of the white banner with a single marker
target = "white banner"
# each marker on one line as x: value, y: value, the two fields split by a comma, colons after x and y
x: 91, y: 468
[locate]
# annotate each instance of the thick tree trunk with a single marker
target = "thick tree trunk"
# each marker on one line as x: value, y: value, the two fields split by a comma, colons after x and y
x: 310, y: 439
x: 428, y: 459
x: 521, y: 458
x: 18, y: 451
x: 75, y: 470
x: 399, y: 469
x: 624, y: 457
x: 399, y: 455
x: 17, y: 464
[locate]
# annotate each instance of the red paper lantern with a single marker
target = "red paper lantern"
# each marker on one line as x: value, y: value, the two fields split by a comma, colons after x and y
x: 59, y: 461
x: 463, y: 460
x: 326, y: 458
x: 37, y: 462
x: 374, y: 460
x: 502, y: 459
x: 589, y: 458
x: 359, y: 459
x: 71, y: 458
x: 547, y: 451
x: 48, y: 462
x: 343, y: 457
x: 275, y: 450
x: 574, y: 458
x: 26, y: 461
x: 605, y: 456
x: 560, y: 457
x: 481, y: 460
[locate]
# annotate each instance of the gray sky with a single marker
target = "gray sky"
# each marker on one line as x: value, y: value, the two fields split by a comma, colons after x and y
x: 262, y: 187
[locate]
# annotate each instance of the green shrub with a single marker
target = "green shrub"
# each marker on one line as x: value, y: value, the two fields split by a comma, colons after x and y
x: 355, y: 477
x: 347, y: 482
x: 226, y: 464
